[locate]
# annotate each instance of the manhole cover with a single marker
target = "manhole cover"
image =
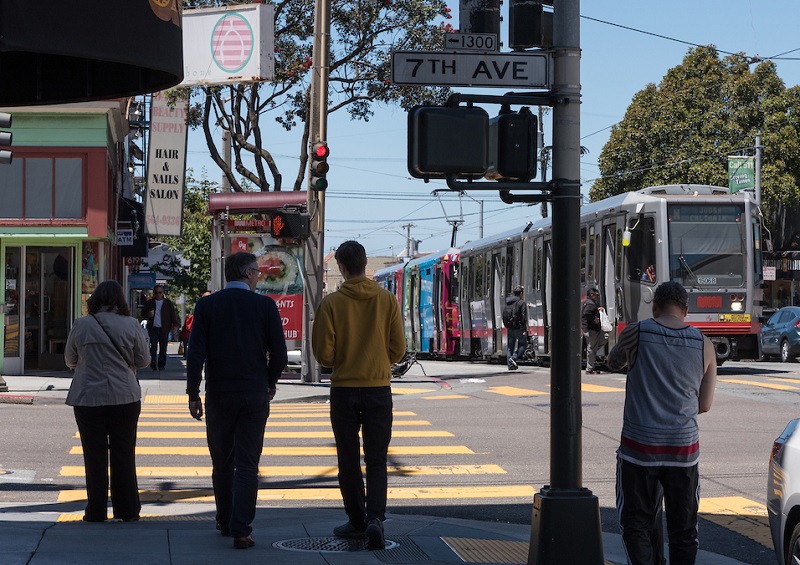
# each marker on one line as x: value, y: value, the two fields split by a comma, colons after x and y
x: 328, y: 544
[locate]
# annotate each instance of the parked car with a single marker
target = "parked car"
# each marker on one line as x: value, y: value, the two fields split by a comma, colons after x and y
x: 781, y: 334
x: 783, y: 494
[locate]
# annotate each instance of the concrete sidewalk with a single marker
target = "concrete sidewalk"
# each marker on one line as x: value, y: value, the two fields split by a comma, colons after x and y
x: 175, y: 533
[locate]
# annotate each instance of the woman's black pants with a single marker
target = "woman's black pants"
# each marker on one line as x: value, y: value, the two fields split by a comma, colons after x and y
x: 108, y: 436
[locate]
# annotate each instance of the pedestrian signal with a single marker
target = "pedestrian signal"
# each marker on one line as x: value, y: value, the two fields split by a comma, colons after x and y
x: 289, y: 224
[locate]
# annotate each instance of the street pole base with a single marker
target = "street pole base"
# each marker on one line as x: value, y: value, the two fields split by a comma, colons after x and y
x: 566, y: 528
x: 3, y: 385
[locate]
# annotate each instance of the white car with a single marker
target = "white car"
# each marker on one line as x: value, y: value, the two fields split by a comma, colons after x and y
x: 783, y: 494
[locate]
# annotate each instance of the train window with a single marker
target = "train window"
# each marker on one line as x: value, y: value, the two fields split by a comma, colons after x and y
x: 641, y: 253
x: 479, y: 276
x: 707, y: 245
x: 591, y: 272
x: 757, y: 267
x: 583, y: 257
x: 618, y: 256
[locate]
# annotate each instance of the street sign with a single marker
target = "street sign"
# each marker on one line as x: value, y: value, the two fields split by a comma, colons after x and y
x: 443, y: 68
x: 471, y: 42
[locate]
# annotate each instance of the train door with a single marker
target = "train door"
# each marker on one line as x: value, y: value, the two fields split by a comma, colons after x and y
x: 438, y: 327
x: 465, y: 291
x: 497, y: 299
x: 413, y: 309
x: 425, y: 309
x: 611, y: 287
x: 479, y: 307
x: 547, y: 278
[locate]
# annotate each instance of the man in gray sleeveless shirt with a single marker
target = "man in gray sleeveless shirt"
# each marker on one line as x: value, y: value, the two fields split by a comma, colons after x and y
x: 672, y: 372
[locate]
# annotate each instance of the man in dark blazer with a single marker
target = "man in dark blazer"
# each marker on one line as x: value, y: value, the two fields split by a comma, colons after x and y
x: 237, y: 335
x: 159, y: 311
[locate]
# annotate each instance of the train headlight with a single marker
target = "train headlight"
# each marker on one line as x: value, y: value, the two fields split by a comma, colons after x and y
x: 736, y: 306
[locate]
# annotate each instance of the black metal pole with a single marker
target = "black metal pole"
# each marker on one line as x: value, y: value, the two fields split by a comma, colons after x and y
x: 565, y: 526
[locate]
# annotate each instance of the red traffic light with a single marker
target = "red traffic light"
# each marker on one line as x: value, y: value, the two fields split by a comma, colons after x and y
x: 321, y: 151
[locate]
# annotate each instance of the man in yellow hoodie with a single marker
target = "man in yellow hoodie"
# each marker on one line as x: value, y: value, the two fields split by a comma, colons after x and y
x: 358, y: 332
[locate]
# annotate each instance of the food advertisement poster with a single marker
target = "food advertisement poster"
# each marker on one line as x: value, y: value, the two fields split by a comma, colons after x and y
x: 281, y: 277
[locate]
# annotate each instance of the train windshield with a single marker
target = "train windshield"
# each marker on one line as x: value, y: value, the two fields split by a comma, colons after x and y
x: 707, y: 245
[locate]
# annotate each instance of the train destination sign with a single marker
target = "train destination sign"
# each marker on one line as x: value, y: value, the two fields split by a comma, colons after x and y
x: 443, y: 68
x: 471, y: 42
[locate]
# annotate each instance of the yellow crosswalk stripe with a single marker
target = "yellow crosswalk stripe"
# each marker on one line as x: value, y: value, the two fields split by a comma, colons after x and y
x: 410, y: 390
x: 759, y: 384
x: 514, y: 391
x: 311, y: 451
x: 326, y: 424
x: 286, y: 435
x: 586, y: 387
x: 302, y: 471
x: 334, y: 494
x: 739, y: 514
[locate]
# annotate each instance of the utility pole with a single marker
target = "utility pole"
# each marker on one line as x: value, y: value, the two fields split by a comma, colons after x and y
x: 759, y: 147
x: 318, y: 132
x: 408, y: 239
x: 565, y: 526
x: 226, y: 154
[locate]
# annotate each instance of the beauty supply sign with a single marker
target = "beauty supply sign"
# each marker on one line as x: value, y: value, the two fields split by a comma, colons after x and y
x: 166, y: 165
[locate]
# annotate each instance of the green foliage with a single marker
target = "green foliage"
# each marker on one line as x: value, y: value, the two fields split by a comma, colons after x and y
x: 192, y: 275
x: 682, y: 130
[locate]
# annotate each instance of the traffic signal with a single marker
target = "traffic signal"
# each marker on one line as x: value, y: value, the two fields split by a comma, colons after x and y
x: 512, y: 146
x: 5, y: 139
x: 319, y: 166
x: 290, y: 224
x: 447, y: 140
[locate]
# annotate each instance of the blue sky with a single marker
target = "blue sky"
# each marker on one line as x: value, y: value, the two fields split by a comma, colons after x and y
x: 371, y: 196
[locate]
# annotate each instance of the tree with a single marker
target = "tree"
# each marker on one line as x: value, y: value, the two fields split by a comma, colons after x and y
x: 682, y: 130
x: 363, y: 34
x: 191, y: 270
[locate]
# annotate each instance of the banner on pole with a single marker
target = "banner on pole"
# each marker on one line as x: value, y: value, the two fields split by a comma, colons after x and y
x: 741, y: 173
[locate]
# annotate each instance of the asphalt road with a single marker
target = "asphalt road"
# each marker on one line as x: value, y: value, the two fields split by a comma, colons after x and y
x: 473, y: 441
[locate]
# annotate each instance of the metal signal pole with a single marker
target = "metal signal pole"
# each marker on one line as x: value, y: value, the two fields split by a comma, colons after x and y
x: 565, y: 525
x: 318, y: 132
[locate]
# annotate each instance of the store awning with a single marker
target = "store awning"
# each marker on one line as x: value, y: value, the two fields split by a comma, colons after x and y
x: 253, y: 202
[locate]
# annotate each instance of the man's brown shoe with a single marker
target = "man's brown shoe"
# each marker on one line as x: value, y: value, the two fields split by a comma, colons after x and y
x: 243, y: 542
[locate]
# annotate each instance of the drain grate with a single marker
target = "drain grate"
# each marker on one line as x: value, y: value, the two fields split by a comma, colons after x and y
x: 327, y: 544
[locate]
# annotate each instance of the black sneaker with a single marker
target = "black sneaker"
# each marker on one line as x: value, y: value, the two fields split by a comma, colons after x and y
x: 375, y: 534
x: 512, y: 365
x: 350, y: 530
x: 223, y: 530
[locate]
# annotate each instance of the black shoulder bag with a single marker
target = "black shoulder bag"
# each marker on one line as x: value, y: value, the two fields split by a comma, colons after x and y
x: 114, y: 343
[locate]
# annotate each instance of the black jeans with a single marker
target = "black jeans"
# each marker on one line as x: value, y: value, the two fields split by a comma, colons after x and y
x: 110, y: 430
x: 368, y: 409
x: 159, y: 337
x: 640, y: 492
x: 235, y: 424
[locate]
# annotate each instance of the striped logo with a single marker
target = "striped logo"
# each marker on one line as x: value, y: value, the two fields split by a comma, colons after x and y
x: 232, y: 43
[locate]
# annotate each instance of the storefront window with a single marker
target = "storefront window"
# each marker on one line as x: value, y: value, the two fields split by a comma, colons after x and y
x: 42, y: 188
x: 11, y: 317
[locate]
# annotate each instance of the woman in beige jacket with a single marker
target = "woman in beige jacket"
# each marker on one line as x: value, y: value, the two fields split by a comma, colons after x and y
x: 105, y: 348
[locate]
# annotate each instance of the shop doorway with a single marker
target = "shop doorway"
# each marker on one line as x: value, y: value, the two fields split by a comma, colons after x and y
x: 39, y: 307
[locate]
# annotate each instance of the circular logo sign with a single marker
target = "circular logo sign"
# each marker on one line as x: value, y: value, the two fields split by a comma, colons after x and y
x: 232, y: 43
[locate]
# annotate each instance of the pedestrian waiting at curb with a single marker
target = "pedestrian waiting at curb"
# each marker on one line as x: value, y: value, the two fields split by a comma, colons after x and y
x: 237, y: 337
x: 358, y: 332
x: 515, y: 319
x: 591, y: 328
x: 672, y: 372
x: 105, y: 348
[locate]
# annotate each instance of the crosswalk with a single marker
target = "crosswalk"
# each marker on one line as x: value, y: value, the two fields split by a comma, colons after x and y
x: 174, y: 462
x: 299, y: 462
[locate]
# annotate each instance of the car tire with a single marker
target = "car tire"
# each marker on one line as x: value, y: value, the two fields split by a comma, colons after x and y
x: 786, y: 354
x: 793, y: 549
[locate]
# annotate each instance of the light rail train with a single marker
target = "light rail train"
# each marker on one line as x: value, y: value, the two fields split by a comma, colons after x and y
x: 702, y: 236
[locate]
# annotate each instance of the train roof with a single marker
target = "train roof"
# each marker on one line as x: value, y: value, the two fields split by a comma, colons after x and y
x: 492, y: 239
x: 388, y: 270
x: 432, y: 257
